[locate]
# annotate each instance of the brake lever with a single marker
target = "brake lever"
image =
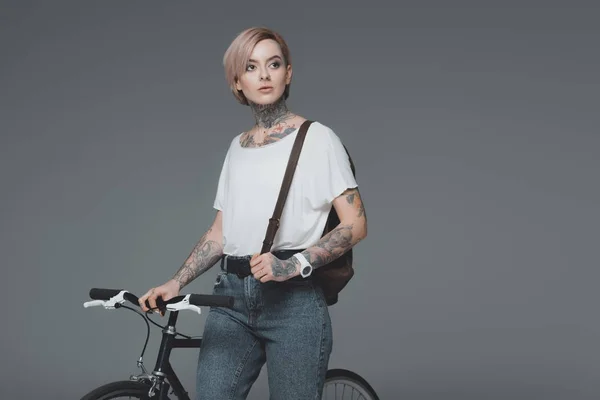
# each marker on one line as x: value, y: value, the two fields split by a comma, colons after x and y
x: 184, y: 304
x: 109, y: 304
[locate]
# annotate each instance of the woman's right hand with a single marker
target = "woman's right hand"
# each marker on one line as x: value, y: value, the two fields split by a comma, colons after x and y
x: 166, y: 291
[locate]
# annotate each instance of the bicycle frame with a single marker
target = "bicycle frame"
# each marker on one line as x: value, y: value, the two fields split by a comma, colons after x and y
x: 156, y: 384
x: 163, y: 371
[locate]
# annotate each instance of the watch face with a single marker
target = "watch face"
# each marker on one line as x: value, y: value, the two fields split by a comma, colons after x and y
x: 306, y: 270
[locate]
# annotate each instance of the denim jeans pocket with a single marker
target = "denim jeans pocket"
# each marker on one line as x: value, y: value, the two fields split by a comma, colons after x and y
x: 306, y: 289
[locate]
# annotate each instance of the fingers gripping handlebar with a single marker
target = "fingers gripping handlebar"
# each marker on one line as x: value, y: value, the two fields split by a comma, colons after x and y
x: 109, y: 298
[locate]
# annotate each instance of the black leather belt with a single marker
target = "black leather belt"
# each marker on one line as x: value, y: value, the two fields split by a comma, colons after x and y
x: 240, y: 265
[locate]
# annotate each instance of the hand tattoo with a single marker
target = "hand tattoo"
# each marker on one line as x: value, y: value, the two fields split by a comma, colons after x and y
x: 284, y: 268
x: 204, y: 255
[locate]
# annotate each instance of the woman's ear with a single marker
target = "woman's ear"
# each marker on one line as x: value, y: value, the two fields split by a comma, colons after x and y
x: 238, y: 87
x: 288, y: 77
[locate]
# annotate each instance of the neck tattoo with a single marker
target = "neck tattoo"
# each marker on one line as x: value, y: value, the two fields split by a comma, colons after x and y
x: 269, y: 115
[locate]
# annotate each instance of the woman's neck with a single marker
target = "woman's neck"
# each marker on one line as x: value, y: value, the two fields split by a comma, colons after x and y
x: 269, y: 115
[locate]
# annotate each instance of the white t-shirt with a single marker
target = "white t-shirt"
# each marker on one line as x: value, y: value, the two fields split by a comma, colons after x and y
x: 250, y: 181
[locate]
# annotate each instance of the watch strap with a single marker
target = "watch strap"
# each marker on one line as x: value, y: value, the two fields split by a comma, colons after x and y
x: 303, y: 263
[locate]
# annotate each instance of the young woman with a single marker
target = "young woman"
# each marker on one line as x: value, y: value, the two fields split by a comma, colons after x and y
x: 280, y: 316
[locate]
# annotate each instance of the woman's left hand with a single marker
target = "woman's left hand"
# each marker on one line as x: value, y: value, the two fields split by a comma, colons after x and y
x: 266, y: 267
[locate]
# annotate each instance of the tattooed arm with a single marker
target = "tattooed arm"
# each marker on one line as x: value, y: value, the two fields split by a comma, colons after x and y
x: 351, y: 230
x: 205, y: 254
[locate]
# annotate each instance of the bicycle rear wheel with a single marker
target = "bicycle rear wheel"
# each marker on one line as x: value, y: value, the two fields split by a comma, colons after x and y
x: 120, y: 390
x: 341, y: 384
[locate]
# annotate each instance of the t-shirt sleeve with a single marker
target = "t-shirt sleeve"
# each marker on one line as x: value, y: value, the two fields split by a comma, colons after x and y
x: 219, y: 202
x: 337, y: 173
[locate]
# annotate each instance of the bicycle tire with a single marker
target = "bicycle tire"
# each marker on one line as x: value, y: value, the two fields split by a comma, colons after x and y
x: 135, y: 390
x: 352, y: 379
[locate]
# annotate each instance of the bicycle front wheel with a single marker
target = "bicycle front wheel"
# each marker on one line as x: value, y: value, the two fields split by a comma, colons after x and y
x: 341, y: 384
x: 120, y: 390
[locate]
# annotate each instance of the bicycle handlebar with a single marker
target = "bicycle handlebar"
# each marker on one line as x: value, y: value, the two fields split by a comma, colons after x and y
x: 108, y: 298
x: 103, y: 294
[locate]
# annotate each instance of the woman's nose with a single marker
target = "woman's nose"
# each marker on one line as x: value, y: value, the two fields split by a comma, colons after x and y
x: 264, y: 76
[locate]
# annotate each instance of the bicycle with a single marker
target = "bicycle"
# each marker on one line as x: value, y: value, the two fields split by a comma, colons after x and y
x: 156, y: 384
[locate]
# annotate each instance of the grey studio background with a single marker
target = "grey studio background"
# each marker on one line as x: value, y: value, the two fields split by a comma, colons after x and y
x: 474, y: 129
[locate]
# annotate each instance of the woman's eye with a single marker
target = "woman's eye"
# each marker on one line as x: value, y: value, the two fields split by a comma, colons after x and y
x: 276, y: 64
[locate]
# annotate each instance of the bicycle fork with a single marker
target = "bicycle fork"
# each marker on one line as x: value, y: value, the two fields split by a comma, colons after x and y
x: 162, y: 369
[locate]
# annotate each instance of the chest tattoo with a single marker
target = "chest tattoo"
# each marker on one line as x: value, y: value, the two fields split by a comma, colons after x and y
x: 247, y: 140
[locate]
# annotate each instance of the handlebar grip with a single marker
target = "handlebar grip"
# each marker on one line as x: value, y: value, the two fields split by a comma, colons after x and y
x: 103, y: 294
x: 211, y: 300
x: 160, y: 303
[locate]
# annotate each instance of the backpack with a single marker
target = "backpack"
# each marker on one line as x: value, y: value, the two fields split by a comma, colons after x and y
x: 331, y: 277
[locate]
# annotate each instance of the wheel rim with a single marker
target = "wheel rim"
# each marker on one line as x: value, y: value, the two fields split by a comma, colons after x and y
x: 124, y: 394
x: 344, y: 389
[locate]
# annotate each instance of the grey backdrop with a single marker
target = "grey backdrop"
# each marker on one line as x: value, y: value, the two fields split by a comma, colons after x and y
x: 474, y: 130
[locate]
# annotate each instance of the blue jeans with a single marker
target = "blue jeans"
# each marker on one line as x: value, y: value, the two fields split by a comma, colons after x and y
x: 285, y: 324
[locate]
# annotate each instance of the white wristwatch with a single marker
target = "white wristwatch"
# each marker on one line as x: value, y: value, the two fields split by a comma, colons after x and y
x: 305, y: 267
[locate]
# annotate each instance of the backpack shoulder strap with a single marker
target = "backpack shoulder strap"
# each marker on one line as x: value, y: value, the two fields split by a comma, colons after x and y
x: 351, y: 162
x: 285, y: 187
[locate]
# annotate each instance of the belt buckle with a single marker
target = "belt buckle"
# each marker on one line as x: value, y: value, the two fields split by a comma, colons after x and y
x: 239, y: 272
x: 236, y: 271
x: 225, y: 267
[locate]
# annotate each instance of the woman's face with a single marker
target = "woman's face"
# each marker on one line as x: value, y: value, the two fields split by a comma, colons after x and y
x: 266, y: 76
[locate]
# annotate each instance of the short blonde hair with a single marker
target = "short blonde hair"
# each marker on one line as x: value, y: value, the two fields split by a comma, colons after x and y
x: 238, y: 53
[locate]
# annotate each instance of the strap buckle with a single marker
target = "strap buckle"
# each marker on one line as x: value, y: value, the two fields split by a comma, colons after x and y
x: 224, y: 263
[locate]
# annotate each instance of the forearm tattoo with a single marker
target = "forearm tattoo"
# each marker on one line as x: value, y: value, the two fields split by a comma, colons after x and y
x: 341, y: 238
x: 204, y: 255
x: 330, y: 246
